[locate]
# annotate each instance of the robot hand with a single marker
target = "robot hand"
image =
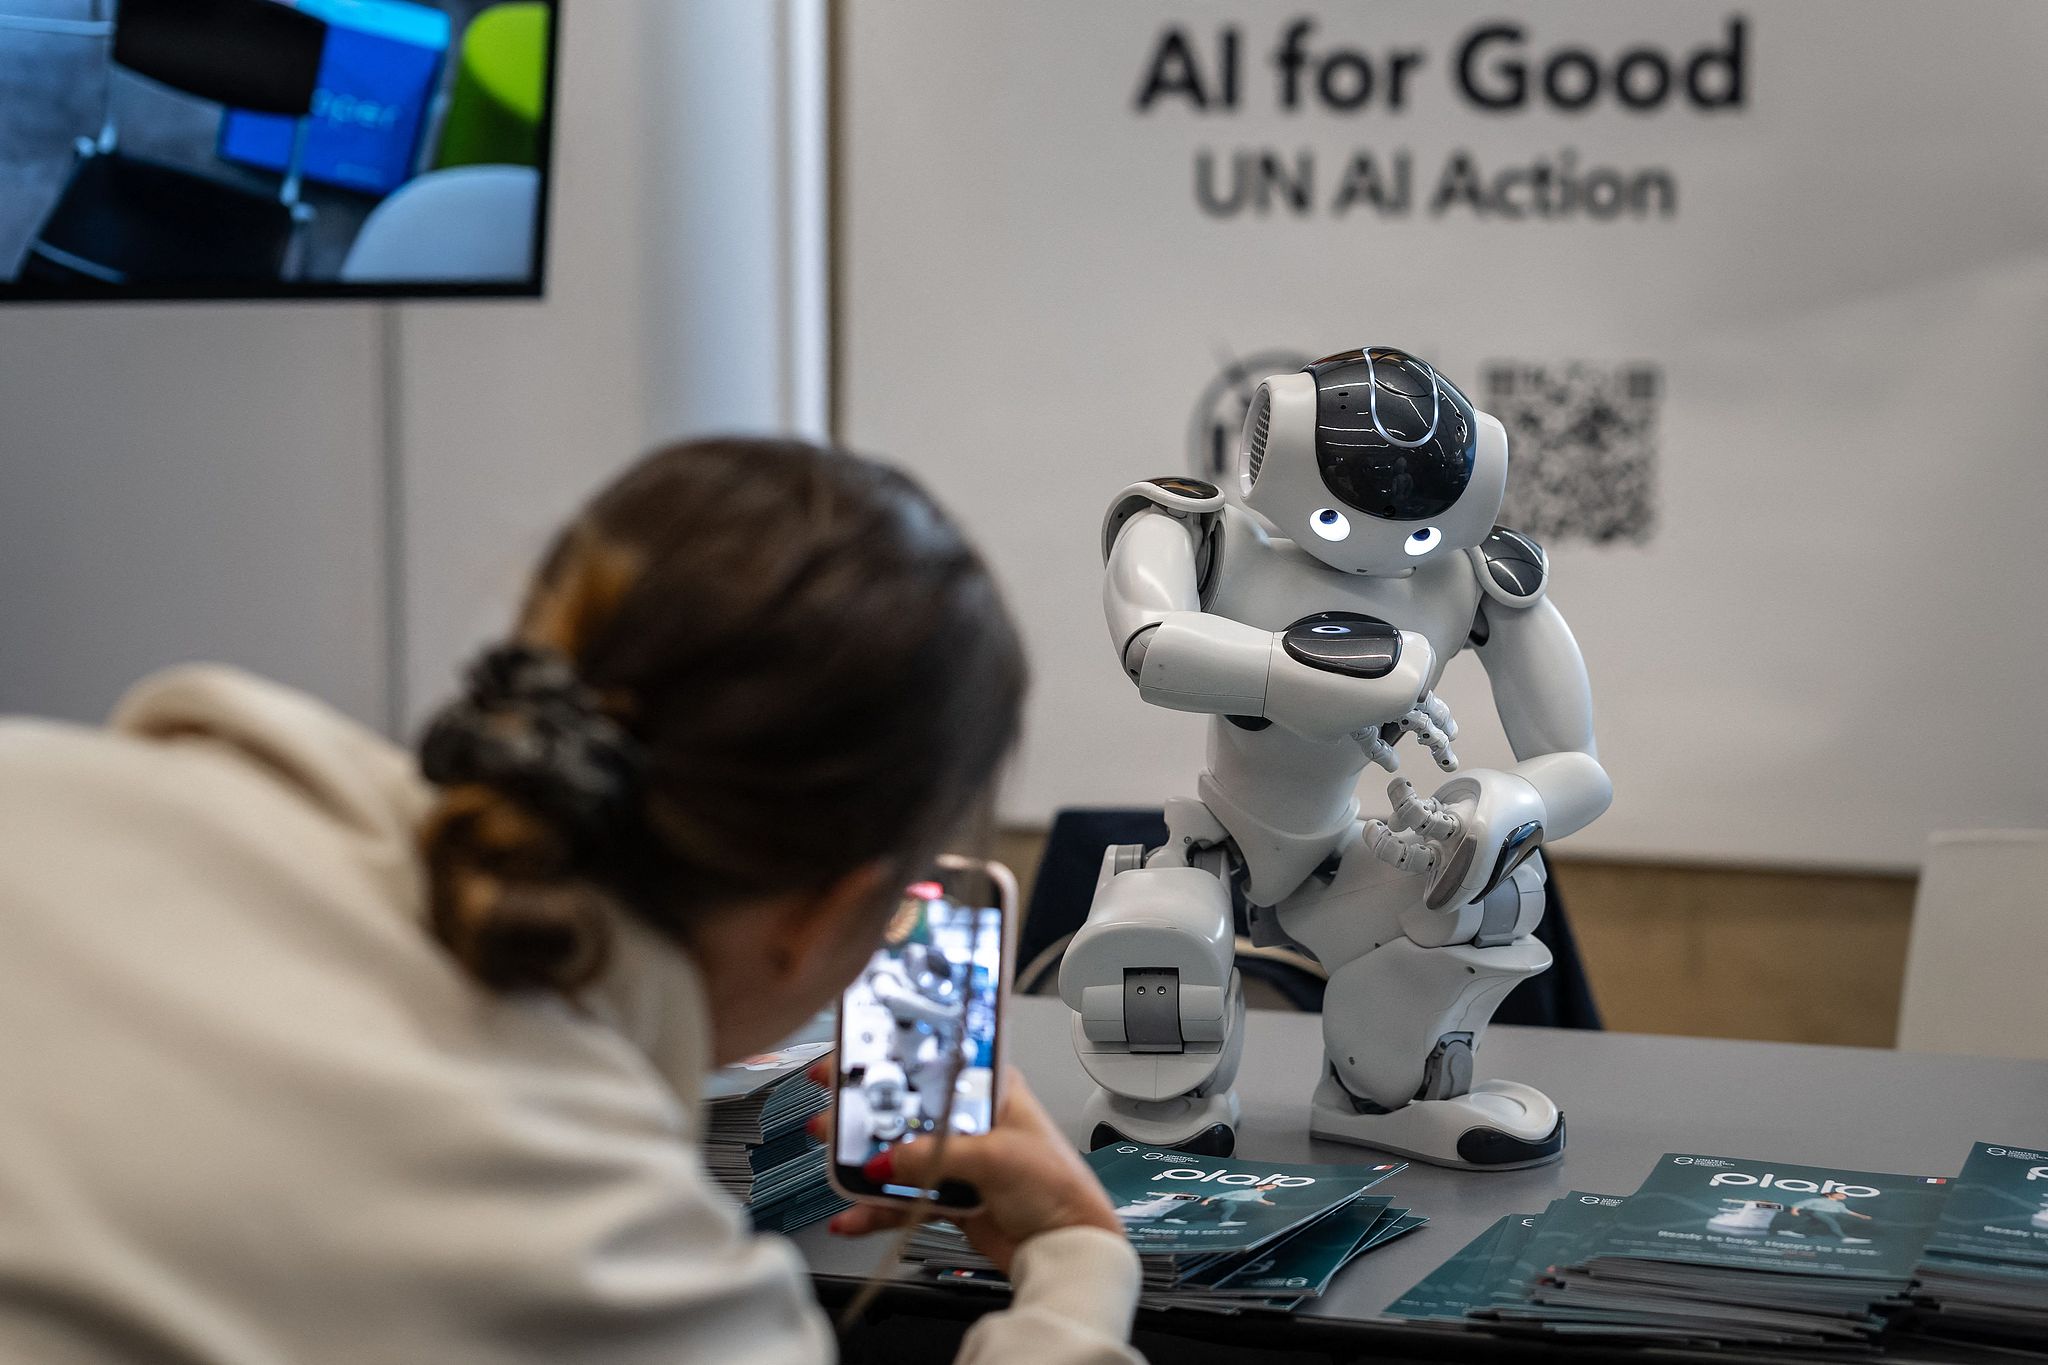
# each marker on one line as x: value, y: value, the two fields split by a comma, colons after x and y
x: 1431, y: 724
x: 1466, y: 839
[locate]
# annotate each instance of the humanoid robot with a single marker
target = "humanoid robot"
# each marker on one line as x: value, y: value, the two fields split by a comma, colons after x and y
x: 884, y: 1093
x: 926, y: 1002
x: 1310, y: 612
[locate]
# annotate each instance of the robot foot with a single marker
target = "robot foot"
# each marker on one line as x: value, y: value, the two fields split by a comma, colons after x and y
x: 1496, y: 1126
x: 1206, y: 1126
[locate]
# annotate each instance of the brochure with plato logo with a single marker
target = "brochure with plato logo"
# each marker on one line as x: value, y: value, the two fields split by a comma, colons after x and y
x: 1999, y: 1210
x: 1984, y: 1278
x: 1228, y: 1232
x: 1739, y: 1252
x: 1716, y: 1252
x: 1816, y: 1222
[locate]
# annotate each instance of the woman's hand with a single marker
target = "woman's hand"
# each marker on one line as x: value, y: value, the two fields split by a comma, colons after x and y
x: 1030, y: 1179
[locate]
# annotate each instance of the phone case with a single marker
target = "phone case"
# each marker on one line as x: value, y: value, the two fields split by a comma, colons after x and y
x: 1005, y: 884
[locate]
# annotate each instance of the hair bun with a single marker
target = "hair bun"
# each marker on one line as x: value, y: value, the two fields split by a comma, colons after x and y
x: 529, y: 727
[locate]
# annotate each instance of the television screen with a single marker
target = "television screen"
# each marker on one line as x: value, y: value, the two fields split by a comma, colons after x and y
x: 274, y: 148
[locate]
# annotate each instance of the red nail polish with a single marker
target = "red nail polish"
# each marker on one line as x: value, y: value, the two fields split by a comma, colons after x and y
x: 880, y: 1167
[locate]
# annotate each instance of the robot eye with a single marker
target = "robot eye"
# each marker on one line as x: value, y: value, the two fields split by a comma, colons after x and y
x: 1330, y: 524
x: 1423, y: 541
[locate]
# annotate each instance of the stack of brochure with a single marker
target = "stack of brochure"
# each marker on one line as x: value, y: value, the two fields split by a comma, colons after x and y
x: 1984, y: 1277
x: 755, y: 1145
x: 1710, y: 1252
x: 1494, y: 1268
x: 1225, y: 1234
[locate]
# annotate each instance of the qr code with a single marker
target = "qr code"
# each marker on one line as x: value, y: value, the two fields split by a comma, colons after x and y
x: 1582, y: 448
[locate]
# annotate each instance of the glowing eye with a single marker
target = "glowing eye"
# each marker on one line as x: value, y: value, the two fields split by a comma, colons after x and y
x: 1330, y: 524
x: 1423, y: 541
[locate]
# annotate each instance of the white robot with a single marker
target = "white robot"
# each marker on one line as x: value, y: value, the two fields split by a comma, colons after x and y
x: 926, y: 1003
x: 1745, y: 1217
x: 1310, y: 612
x: 885, y: 1094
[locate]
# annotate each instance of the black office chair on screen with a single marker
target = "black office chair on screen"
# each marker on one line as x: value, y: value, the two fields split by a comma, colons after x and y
x: 125, y: 220
x: 1559, y: 998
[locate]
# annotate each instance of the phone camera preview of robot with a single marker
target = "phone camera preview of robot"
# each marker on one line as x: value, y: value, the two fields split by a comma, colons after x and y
x: 919, y: 1034
x: 1310, y: 610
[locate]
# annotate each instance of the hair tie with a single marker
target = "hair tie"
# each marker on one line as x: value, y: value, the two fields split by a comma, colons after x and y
x: 528, y: 726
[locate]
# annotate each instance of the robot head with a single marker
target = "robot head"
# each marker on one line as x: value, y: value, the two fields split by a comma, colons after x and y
x: 883, y: 1087
x: 931, y: 972
x: 1372, y: 462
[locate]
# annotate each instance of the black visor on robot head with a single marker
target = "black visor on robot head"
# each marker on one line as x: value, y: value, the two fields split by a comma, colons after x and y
x: 1394, y: 439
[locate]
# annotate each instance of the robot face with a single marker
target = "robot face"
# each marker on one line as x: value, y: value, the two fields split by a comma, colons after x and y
x: 930, y: 972
x: 1372, y: 462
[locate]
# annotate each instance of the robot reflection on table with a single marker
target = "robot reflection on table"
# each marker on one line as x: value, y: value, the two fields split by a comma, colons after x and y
x: 1310, y: 613
x: 927, y: 1002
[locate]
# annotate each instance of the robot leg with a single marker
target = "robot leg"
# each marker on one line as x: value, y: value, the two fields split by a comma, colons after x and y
x: 1158, y: 1008
x: 1400, y: 1026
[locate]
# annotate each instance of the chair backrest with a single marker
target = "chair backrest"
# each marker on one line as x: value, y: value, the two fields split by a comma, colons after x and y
x: 1977, y: 960
x: 251, y: 54
x: 472, y: 223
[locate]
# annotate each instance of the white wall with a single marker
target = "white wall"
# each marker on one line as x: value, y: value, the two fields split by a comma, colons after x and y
x: 185, y: 482
x: 669, y: 309
x: 180, y: 482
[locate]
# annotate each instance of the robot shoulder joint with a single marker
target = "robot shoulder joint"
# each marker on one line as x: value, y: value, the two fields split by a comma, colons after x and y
x: 1512, y: 569
x: 1196, y: 505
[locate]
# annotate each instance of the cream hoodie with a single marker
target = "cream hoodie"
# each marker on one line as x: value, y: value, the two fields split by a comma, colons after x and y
x: 251, y: 1113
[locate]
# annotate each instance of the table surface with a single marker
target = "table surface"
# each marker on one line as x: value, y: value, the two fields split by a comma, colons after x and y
x: 1628, y: 1099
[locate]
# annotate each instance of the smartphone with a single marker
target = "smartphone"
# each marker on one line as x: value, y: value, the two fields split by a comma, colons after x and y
x: 921, y: 1028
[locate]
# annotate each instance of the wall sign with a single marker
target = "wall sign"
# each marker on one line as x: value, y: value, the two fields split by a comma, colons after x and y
x: 1760, y: 290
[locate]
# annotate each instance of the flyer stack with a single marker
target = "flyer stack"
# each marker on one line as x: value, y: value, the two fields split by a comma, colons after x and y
x: 1221, y: 1234
x: 1984, y: 1277
x: 755, y: 1144
x: 1710, y: 1252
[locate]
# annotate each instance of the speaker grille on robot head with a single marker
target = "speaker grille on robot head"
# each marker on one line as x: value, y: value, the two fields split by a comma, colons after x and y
x: 1259, y: 425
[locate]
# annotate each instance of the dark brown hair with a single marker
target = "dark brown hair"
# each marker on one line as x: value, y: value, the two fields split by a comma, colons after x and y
x: 814, y: 669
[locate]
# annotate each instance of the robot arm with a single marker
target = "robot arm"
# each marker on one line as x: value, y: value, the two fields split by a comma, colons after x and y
x: 908, y: 1005
x: 1545, y: 703
x: 1479, y: 828
x: 1323, y: 678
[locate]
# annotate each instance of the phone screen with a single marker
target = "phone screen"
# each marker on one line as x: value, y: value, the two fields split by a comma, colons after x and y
x: 917, y: 1030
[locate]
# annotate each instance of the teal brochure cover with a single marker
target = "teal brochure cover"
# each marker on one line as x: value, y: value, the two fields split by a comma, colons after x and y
x: 1757, y: 1215
x: 1387, y: 1229
x: 1513, y: 1238
x: 1447, y: 1291
x: 1562, y: 1233
x: 1305, y: 1263
x: 1999, y: 1210
x: 1175, y: 1204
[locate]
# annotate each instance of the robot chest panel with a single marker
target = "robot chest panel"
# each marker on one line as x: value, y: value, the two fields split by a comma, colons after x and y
x: 1273, y: 585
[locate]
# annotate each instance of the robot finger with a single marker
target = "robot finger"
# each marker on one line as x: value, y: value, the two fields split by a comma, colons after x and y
x: 1422, y: 814
x: 1435, y: 708
x: 1405, y: 850
x: 1420, y: 724
x: 1401, y: 793
x: 1378, y: 751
